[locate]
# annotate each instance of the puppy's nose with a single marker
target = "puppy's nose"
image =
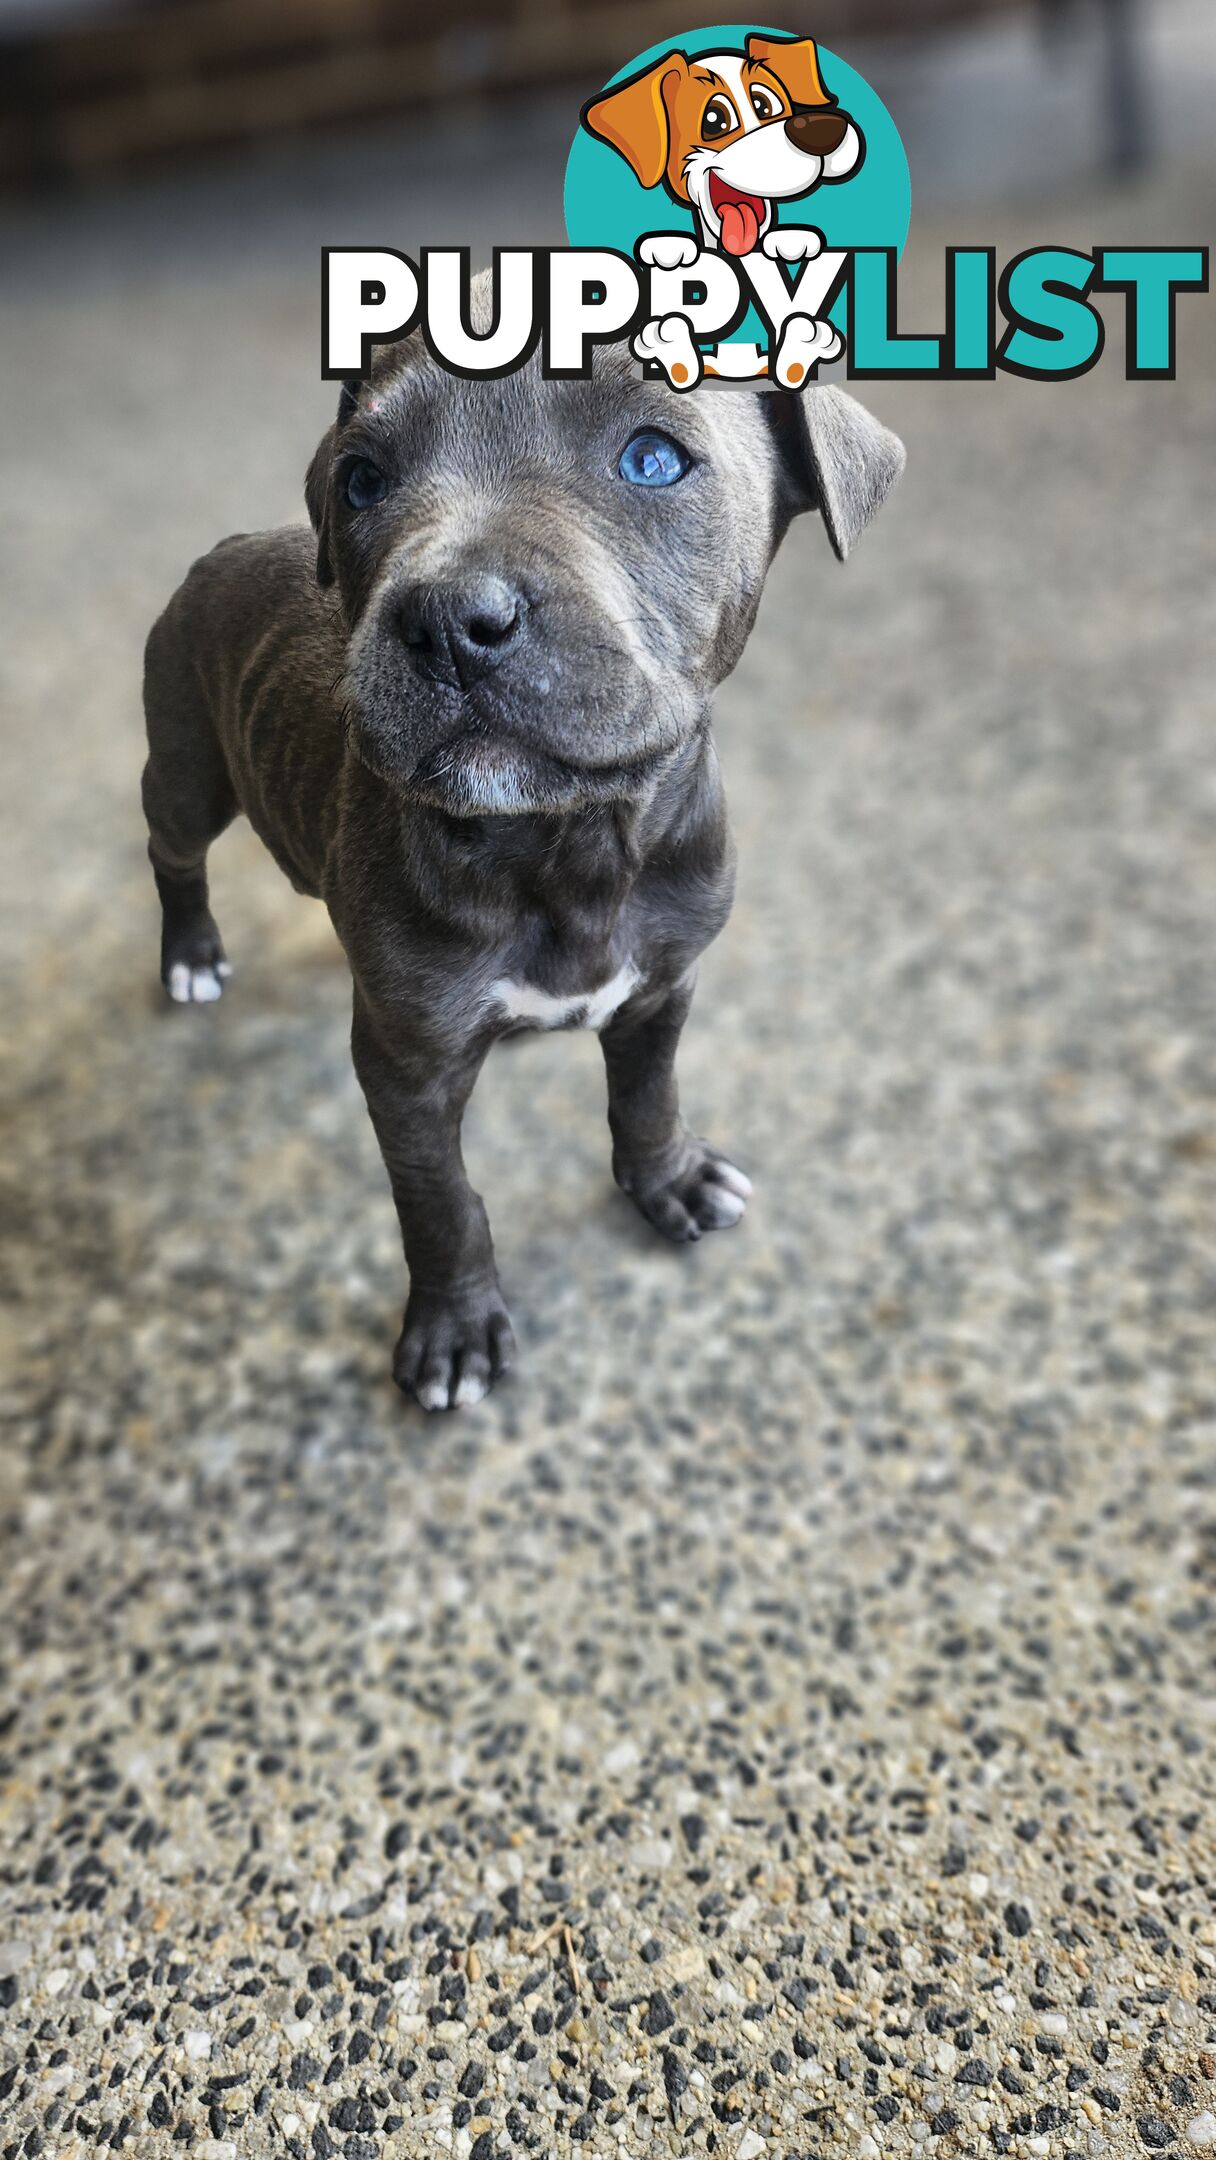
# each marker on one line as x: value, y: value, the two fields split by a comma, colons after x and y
x: 818, y: 133
x: 458, y: 631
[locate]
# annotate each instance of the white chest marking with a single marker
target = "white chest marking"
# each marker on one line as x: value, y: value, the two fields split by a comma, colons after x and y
x: 588, y: 1008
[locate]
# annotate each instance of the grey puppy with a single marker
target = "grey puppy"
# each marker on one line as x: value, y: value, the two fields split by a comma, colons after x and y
x: 472, y: 715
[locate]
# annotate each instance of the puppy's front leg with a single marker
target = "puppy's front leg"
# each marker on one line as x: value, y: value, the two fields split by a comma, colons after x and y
x: 680, y: 1184
x: 456, y: 1337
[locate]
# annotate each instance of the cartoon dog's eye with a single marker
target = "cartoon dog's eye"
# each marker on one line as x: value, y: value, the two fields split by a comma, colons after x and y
x: 365, y: 485
x: 764, y: 104
x: 719, y: 118
x: 653, y: 460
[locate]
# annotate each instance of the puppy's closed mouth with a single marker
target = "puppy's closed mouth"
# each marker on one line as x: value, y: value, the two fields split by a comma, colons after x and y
x: 498, y: 774
x: 740, y: 215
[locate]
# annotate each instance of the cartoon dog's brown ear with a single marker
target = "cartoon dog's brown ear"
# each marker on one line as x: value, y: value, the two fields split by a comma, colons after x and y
x: 794, y: 62
x: 633, y: 118
x: 835, y: 457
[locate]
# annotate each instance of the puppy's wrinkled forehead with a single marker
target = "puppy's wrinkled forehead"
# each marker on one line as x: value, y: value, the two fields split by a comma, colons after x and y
x: 484, y: 428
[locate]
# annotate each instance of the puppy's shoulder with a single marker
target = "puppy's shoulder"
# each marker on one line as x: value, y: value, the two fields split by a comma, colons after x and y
x: 272, y: 569
x: 249, y: 584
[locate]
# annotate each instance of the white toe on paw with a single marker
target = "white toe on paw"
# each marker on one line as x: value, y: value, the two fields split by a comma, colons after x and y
x: 792, y: 243
x: 667, y: 340
x: 722, y: 1206
x: 433, y: 1394
x: 668, y: 251
x: 223, y: 969
x: 734, y: 1180
x: 188, y: 985
x: 470, y: 1389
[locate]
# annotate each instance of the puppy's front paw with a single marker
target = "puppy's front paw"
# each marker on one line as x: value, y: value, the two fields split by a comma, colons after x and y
x: 706, y: 1193
x: 451, y: 1351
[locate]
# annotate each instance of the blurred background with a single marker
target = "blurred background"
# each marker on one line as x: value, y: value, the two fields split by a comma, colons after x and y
x: 970, y: 774
x: 888, y: 1517
x: 95, y: 87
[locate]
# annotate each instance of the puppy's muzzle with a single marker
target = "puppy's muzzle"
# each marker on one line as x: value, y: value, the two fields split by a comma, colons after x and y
x: 817, y: 133
x: 458, y: 632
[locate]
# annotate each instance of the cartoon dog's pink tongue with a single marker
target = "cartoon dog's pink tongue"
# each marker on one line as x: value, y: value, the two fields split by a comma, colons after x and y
x: 740, y: 228
x: 739, y: 214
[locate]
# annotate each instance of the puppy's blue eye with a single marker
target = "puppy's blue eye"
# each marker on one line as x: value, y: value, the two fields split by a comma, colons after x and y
x: 365, y: 485
x: 653, y: 460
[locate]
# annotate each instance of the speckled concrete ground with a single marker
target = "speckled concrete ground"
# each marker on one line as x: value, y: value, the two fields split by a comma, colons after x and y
x: 779, y: 1722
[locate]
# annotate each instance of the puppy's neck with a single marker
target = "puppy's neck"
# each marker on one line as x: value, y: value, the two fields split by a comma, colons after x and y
x: 581, y: 843
x: 568, y: 874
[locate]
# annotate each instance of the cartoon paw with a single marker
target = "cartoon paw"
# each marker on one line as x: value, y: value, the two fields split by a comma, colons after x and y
x: 668, y: 342
x: 668, y: 251
x: 804, y: 343
x: 792, y: 243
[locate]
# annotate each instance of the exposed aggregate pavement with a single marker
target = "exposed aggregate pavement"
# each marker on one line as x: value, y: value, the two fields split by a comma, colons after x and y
x: 779, y: 1721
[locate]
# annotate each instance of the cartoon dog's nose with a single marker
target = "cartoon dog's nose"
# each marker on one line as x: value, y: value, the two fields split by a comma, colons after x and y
x: 457, y: 631
x: 817, y: 133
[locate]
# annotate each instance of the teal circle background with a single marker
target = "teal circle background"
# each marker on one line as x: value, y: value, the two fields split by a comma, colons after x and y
x: 606, y: 206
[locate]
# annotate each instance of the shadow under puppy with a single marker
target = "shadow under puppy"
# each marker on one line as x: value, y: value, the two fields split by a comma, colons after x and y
x: 472, y: 715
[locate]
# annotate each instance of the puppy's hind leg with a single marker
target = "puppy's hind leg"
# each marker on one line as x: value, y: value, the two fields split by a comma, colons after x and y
x: 188, y: 800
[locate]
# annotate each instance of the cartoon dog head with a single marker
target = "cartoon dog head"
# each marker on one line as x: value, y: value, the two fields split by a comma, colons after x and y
x: 731, y: 133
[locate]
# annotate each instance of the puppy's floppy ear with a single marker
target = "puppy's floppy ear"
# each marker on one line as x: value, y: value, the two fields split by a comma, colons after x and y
x: 794, y: 62
x: 316, y: 482
x: 834, y: 456
x: 316, y: 496
x: 633, y: 118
